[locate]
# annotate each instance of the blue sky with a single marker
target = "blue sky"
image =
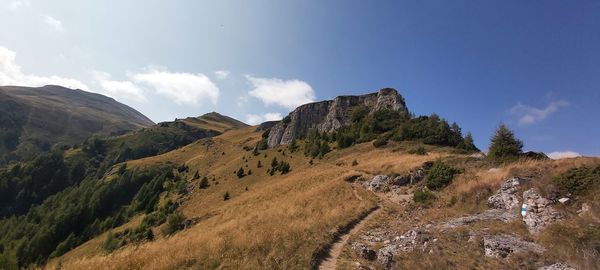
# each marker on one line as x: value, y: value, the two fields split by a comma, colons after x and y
x: 534, y: 65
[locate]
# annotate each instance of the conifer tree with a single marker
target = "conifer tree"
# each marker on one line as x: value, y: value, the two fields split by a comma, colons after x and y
x: 504, y: 146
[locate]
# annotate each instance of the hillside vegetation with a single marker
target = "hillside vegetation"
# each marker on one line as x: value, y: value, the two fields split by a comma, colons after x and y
x: 34, y: 120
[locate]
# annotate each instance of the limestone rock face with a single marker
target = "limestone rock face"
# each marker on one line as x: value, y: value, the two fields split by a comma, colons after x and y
x: 540, y: 212
x: 330, y: 115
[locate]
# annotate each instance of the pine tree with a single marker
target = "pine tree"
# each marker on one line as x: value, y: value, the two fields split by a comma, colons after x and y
x: 240, y: 173
x: 504, y: 146
x: 204, y: 183
x: 468, y: 144
x: 226, y: 196
x: 259, y: 165
x: 293, y: 146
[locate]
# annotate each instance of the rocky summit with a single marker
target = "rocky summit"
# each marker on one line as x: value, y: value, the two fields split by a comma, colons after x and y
x: 330, y: 115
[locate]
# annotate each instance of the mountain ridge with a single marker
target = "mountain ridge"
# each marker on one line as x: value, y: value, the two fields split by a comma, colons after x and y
x: 36, y: 119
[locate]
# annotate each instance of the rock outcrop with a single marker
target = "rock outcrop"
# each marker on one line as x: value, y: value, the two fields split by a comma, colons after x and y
x: 501, y: 246
x: 378, y: 183
x: 506, y: 197
x: 417, y: 238
x: 330, y: 115
x: 504, y: 204
x: 413, y: 176
x: 540, y: 212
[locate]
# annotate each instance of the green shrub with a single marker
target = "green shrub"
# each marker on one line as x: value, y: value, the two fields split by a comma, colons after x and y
x: 111, y: 243
x: 284, y: 167
x: 579, y: 181
x: 204, y: 183
x: 439, y: 175
x: 423, y: 196
x: 286, y: 120
x: 174, y: 223
x: 380, y: 141
x: 293, y: 146
x: 358, y: 113
x: 240, y: 172
x: 262, y: 144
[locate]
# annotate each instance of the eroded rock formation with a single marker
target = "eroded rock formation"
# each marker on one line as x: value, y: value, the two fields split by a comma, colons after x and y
x: 330, y: 115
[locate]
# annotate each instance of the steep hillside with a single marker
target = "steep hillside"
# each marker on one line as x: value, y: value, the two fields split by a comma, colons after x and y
x: 34, y: 120
x: 32, y: 181
x: 263, y: 220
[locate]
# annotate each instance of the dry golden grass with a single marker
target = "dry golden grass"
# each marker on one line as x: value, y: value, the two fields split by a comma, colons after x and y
x: 277, y: 222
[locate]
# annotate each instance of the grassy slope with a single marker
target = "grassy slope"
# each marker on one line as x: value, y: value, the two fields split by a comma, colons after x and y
x: 281, y: 220
x: 38, y: 118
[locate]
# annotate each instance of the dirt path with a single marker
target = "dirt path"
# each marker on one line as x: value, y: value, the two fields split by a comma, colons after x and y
x: 336, y: 249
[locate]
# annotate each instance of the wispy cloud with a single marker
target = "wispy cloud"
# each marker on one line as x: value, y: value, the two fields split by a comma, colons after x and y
x: 528, y: 115
x: 254, y: 119
x: 11, y: 74
x: 53, y: 23
x: 222, y: 74
x: 565, y: 154
x: 286, y: 93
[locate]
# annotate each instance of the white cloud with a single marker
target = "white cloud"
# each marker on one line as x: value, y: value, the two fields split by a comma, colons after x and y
x: 255, y: 119
x: 17, y: 4
x: 565, y: 154
x: 286, y: 93
x: 118, y: 89
x: 222, y: 74
x: 182, y: 88
x: 530, y: 115
x: 11, y: 74
x: 53, y: 23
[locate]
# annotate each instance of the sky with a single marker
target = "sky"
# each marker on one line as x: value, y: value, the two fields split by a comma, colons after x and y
x: 533, y: 65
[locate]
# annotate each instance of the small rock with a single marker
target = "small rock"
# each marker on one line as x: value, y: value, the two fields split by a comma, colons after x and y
x: 501, y: 246
x: 557, y: 266
x: 564, y: 200
x: 584, y: 209
x: 385, y: 256
x: 378, y: 183
x: 364, y: 251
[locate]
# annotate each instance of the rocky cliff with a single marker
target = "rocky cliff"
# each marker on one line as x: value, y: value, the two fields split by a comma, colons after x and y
x: 328, y: 116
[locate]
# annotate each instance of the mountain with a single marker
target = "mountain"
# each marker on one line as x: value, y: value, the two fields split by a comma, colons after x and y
x: 362, y: 183
x: 36, y: 119
x: 32, y: 181
x: 329, y: 115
